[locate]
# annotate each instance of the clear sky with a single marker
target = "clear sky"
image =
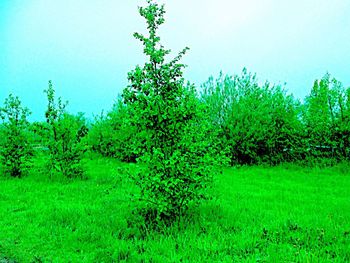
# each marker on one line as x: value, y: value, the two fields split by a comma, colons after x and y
x: 86, y: 47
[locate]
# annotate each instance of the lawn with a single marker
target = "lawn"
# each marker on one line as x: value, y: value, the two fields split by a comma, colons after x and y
x: 259, y: 214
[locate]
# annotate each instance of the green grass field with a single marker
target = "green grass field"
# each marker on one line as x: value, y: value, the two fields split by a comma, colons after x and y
x: 280, y: 214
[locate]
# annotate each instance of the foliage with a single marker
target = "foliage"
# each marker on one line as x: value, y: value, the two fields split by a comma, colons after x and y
x: 112, y: 136
x: 327, y: 119
x: 64, y: 137
x: 167, y: 112
x: 256, y: 123
x: 38, y: 132
x: 15, y: 147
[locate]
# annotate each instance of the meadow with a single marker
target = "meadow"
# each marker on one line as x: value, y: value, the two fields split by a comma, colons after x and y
x: 286, y: 213
x: 235, y: 171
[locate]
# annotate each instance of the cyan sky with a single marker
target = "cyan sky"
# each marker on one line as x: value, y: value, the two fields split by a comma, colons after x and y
x: 86, y: 46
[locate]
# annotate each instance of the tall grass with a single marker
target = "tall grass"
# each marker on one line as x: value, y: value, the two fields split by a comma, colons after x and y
x: 280, y: 214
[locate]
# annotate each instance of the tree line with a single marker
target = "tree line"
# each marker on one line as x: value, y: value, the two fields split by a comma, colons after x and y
x: 247, y: 122
x: 253, y: 123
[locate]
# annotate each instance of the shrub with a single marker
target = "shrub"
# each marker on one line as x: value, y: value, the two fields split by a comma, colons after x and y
x: 256, y: 123
x: 112, y: 136
x: 15, y: 148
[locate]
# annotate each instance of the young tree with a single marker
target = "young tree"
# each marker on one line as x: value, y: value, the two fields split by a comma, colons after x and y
x: 15, y: 149
x: 168, y: 113
x: 64, y: 133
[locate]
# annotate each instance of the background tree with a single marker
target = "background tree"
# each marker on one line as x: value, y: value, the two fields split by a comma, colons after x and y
x: 15, y: 149
x: 64, y: 134
x: 112, y: 135
x: 326, y: 118
x: 256, y: 123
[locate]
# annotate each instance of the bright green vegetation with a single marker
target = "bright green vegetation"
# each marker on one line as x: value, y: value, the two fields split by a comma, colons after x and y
x: 15, y: 147
x: 63, y: 133
x: 178, y: 151
x: 168, y: 200
x: 280, y: 214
